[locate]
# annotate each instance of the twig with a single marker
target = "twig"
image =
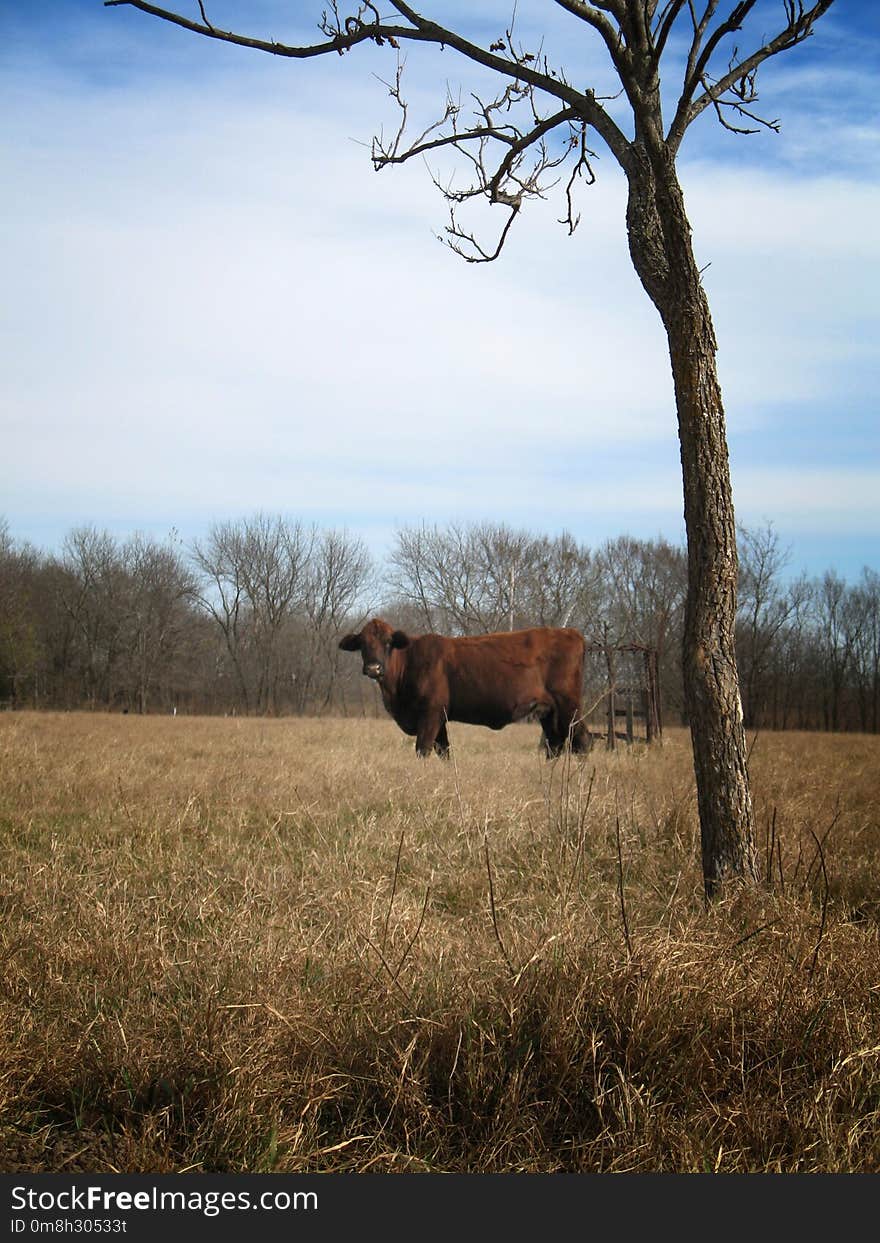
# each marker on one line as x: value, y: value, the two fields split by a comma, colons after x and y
x: 771, y: 845
x: 494, y: 912
x: 757, y: 733
x: 748, y: 936
x: 820, y: 844
x: 779, y: 862
x: 391, y: 974
x: 815, y: 958
x: 457, y: 781
x: 581, y: 839
x: 393, y: 888
x: 311, y: 819
x: 414, y: 936
x: 626, y: 935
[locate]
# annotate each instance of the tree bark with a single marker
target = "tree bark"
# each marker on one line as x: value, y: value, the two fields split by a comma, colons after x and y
x: 661, y: 250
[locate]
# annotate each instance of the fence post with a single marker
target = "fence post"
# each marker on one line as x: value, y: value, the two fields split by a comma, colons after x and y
x: 612, y: 706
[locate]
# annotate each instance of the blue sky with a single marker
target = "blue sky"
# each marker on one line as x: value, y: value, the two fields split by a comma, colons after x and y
x: 214, y: 305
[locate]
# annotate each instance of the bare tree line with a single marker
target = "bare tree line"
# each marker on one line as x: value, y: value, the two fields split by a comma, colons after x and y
x: 808, y: 648
x: 246, y: 620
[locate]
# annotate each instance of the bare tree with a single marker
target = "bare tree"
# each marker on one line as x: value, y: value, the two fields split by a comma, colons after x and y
x: 645, y: 585
x: 565, y: 587
x: 446, y: 576
x: 793, y: 661
x: 94, y: 594
x: 537, y: 127
x: 160, y: 588
x: 338, y: 583
x: 221, y: 593
x: 866, y: 605
x: 764, y: 609
x: 474, y: 578
x: 275, y: 563
x: 646, y: 582
x: 505, y: 559
x: 253, y: 577
x: 410, y: 577
x: 480, y: 577
x: 836, y: 633
x: 19, y: 644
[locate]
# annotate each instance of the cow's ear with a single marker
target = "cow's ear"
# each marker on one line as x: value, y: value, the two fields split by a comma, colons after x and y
x: 351, y: 643
x: 399, y: 639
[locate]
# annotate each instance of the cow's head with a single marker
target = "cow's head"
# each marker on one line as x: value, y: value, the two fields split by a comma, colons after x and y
x: 375, y: 643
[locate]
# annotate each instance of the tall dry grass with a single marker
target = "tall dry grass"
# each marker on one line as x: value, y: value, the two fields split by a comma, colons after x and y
x: 247, y: 945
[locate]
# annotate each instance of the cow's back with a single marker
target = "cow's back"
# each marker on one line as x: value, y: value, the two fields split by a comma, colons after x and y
x: 496, y: 678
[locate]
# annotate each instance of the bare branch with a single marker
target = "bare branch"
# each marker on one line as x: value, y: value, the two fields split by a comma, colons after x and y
x: 344, y: 34
x: 734, y: 22
x: 384, y: 154
x: 700, y: 26
x: 740, y: 77
x: 341, y: 35
x: 582, y: 166
x: 761, y: 122
x: 664, y: 24
x: 589, y: 13
x: 635, y: 33
x: 524, y: 170
x: 477, y: 254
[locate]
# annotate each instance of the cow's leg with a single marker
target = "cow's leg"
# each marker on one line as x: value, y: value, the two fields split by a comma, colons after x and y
x: 431, y: 724
x: 441, y: 746
x: 552, y: 741
x: 581, y: 741
x: 571, y: 727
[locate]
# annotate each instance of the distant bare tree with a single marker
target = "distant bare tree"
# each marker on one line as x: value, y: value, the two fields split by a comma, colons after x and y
x: 866, y: 648
x: 792, y: 674
x: 19, y: 643
x: 161, y: 586
x: 446, y: 575
x: 474, y: 578
x: 411, y: 578
x: 221, y: 593
x: 836, y: 635
x: 340, y: 581
x: 565, y: 587
x: 94, y: 595
x: 253, y: 579
x: 764, y: 610
x: 646, y: 581
x: 505, y: 559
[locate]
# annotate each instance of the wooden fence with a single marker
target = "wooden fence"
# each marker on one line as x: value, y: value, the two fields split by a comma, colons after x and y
x: 623, y: 688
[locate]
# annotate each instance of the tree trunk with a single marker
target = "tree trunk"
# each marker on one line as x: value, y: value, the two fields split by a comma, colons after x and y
x: 660, y: 246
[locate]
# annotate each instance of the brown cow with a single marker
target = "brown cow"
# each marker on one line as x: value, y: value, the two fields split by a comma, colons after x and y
x: 490, y: 679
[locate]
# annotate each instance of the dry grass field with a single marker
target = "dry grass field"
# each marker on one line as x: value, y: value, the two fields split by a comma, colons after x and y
x: 250, y: 945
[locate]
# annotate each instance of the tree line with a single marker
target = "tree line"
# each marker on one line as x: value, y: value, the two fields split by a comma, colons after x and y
x: 247, y: 619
